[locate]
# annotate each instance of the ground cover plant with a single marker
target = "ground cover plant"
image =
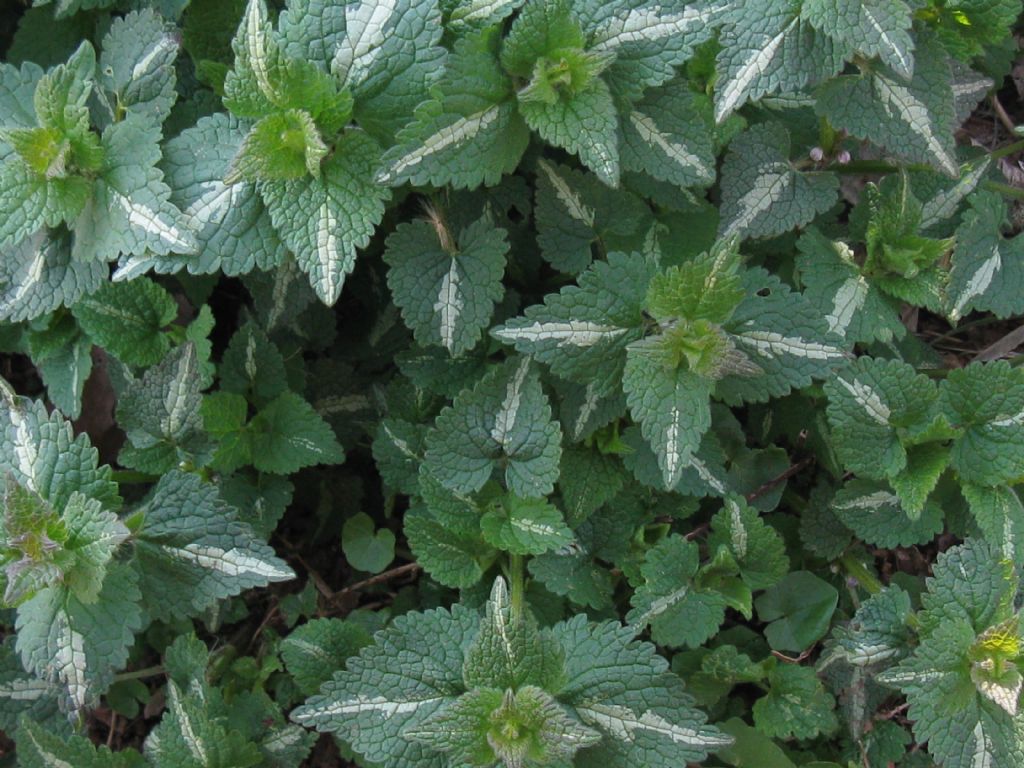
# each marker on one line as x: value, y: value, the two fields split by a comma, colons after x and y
x: 522, y: 383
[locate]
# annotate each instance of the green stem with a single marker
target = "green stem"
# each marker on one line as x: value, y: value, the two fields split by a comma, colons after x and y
x: 861, y: 573
x: 1004, y: 189
x: 517, y: 575
x: 140, y: 673
x: 1009, y: 149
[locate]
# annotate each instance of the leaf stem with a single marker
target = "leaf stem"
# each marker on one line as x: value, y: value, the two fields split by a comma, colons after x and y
x: 517, y: 577
x: 131, y: 477
x: 1004, y: 189
x: 1009, y: 149
x: 141, y: 673
x: 864, y: 577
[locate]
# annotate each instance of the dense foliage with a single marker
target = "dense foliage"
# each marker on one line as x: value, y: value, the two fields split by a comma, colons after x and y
x: 511, y: 383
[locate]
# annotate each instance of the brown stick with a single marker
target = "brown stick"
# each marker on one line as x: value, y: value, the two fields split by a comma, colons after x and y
x: 780, y: 478
x: 380, y: 578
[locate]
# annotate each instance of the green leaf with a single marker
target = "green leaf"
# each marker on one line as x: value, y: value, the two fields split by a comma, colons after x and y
x: 878, y: 632
x: 874, y: 406
x: 524, y: 526
x: 130, y: 211
x: 447, y: 287
x: 783, y: 335
x: 763, y: 194
x: 193, y: 552
x: 288, y: 435
x: 253, y: 366
x: 450, y: 557
x: 1000, y: 516
x: 319, y: 648
x: 855, y: 308
x: 39, y: 275
x: 65, y: 373
x: 707, y: 288
x: 913, y: 120
x: 390, y: 58
x: 470, y: 133
x: 986, y: 401
x: 325, y: 220
x: 232, y: 226
x: 873, y: 28
x: 799, y: 609
x: 365, y: 548
x: 76, y: 645
x: 126, y: 319
x: 466, y: 16
x: 504, y: 419
x: 160, y: 415
x: 373, y: 701
x: 988, y: 270
x: 588, y: 479
x: 875, y: 514
x: 39, y: 747
x: 623, y: 689
x: 672, y: 407
x: 668, y: 135
x: 756, y: 547
x: 582, y: 331
x: 281, y: 146
x: 136, y: 68
x: 767, y: 48
x: 797, y: 705
x: 677, y: 610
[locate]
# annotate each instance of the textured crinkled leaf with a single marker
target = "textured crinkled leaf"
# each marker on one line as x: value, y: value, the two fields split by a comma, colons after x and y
x: 588, y: 479
x: 93, y: 536
x: 757, y: 547
x: 325, y: 221
x: 39, y: 275
x: 913, y: 120
x: 669, y: 135
x: 575, y: 210
x: 504, y: 420
x: 946, y: 195
x: 160, y: 415
x: 127, y: 319
x: 466, y: 16
x: 1000, y: 516
x: 708, y: 287
x: 854, y: 307
x: 311, y: 29
x: 576, y: 576
x: 288, y: 434
x: 398, y: 447
x: 767, y: 48
x: 447, y: 290
x: 525, y: 526
x: 582, y: 331
x: 389, y: 57
x: 584, y: 124
x: 878, y: 631
x: 40, y: 747
x: 23, y: 694
x: 232, y: 226
x: 281, y: 146
x: 969, y: 583
x: 672, y: 407
x: 762, y: 193
x: 136, y: 68
x: 797, y: 705
x: 678, y: 612
x: 29, y: 201
x: 622, y: 688
x: 470, y: 134
x: 872, y: 511
x: 130, y: 211
x: 987, y: 402
x: 649, y: 41
x: 373, y: 701
x: 313, y: 652
x: 193, y: 552
x: 871, y: 404
x: 253, y: 366
x: 988, y: 270
x: 42, y: 453
x: 703, y: 472
x: 870, y: 27
x: 782, y: 334
x: 76, y: 645
x: 450, y: 557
